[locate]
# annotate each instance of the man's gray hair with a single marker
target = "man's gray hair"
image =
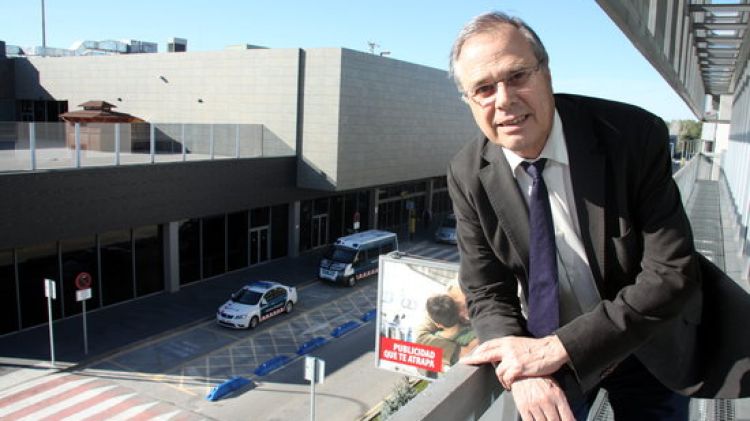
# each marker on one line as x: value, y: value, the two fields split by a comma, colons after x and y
x: 490, y: 22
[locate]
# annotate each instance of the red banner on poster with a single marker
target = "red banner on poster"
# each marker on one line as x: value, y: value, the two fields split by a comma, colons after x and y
x: 409, y: 353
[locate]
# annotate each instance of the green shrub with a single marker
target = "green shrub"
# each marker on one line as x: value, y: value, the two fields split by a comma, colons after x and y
x: 403, y: 393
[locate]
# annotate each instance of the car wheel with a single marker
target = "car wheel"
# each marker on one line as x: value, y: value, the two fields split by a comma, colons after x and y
x: 253, y: 323
x: 351, y: 281
x: 289, y: 307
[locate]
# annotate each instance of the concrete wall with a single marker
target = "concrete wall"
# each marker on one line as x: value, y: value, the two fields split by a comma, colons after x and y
x: 399, y: 121
x: 396, y: 121
x: 245, y: 86
x: 736, y: 161
x: 321, y: 101
x: 66, y: 204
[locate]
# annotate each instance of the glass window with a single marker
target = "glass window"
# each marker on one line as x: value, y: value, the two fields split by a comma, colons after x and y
x: 260, y: 217
x: 8, y: 297
x: 321, y: 206
x: 279, y: 231
x: 117, y: 266
x: 305, y: 225
x: 35, y: 264
x: 79, y: 255
x: 246, y: 296
x: 340, y: 254
x: 237, y: 240
x: 149, y: 259
x: 338, y: 224
x: 213, y: 246
x: 190, y: 251
x: 363, y: 206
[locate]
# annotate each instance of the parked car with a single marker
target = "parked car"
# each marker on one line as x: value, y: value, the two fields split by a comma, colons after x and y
x: 256, y: 302
x: 446, y: 232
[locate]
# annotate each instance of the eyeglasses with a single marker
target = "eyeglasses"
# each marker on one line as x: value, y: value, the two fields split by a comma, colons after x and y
x: 485, y: 93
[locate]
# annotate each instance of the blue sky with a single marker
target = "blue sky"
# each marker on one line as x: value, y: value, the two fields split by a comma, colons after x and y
x: 589, y: 55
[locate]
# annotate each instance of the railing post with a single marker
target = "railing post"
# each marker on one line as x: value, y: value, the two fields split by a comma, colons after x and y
x: 237, y: 141
x: 117, y: 143
x: 211, y: 142
x: 78, y: 145
x: 32, y: 144
x: 184, y: 143
x: 152, y: 141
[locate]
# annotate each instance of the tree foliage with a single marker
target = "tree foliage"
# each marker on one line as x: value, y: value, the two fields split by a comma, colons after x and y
x: 690, y: 129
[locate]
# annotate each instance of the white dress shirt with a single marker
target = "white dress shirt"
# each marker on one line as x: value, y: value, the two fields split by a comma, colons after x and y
x: 578, y: 293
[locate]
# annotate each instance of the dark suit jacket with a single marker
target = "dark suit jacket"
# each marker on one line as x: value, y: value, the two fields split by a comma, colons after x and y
x: 633, y: 227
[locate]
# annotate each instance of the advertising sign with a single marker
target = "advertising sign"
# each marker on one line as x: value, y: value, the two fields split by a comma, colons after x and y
x: 423, y: 324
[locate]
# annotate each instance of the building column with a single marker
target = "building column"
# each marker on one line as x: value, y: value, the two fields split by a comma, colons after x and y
x: 171, y: 256
x: 428, y: 193
x: 294, y: 221
x: 373, y: 222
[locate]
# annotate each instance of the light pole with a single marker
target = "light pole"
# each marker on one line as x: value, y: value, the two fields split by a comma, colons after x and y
x: 44, y: 35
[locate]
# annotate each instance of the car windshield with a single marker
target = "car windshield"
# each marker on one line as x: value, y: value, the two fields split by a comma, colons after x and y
x: 245, y: 296
x: 449, y: 223
x: 340, y: 254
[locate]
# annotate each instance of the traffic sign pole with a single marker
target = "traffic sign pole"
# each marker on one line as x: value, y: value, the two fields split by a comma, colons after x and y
x: 83, y: 283
x: 315, y: 370
x: 51, y: 293
x: 85, y: 335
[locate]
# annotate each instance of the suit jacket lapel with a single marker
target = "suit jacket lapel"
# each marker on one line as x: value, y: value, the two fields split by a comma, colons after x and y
x: 587, y: 172
x: 507, y: 202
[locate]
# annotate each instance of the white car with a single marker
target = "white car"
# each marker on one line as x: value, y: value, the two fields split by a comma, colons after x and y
x: 256, y: 302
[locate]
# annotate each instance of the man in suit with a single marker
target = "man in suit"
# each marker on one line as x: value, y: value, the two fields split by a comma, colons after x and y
x: 627, y: 287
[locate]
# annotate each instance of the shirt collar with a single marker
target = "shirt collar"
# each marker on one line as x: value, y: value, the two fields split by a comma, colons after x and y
x: 554, y: 150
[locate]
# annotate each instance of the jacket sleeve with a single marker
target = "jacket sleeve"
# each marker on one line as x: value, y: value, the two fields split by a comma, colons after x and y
x: 654, y: 248
x: 490, y: 287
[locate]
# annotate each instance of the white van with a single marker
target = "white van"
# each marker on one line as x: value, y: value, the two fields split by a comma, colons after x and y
x: 355, y: 256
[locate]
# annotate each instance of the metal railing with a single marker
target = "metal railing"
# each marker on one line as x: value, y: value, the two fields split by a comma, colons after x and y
x: 44, y: 146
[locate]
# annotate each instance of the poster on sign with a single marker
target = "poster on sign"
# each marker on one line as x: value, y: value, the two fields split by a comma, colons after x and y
x: 423, y: 327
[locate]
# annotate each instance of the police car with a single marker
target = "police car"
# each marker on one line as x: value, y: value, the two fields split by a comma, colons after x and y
x: 355, y: 256
x: 256, y: 302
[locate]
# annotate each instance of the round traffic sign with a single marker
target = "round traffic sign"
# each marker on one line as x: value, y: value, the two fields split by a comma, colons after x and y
x: 83, y: 280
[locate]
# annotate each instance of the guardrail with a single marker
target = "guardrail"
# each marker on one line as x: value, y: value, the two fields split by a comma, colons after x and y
x: 43, y: 146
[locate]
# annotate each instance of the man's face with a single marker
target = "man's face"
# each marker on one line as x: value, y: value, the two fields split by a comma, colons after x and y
x: 520, y: 117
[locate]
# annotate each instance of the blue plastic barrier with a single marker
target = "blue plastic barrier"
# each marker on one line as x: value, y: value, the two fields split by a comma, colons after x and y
x: 223, y: 389
x: 369, y: 315
x: 271, y: 365
x: 311, y: 344
x: 346, y: 327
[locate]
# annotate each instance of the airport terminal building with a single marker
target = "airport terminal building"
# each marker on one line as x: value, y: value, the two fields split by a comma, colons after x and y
x: 185, y: 166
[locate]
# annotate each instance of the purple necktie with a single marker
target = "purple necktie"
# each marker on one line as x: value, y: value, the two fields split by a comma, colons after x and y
x: 544, y: 316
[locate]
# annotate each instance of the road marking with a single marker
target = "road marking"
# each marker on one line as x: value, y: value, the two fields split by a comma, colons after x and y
x: 103, y: 406
x: 132, y: 412
x: 46, y: 394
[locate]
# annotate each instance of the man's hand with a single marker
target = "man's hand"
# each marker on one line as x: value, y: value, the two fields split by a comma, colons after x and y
x: 540, y: 398
x: 520, y: 357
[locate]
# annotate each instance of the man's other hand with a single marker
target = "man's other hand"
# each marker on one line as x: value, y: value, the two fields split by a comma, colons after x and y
x: 541, y: 398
